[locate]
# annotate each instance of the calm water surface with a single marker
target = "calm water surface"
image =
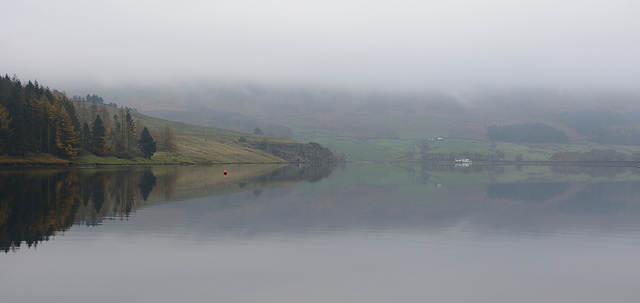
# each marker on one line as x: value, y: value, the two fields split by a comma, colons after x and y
x: 361, y: 233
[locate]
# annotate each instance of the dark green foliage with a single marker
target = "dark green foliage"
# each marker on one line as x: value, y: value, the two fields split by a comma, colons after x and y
x: 147, y: 144
x: 41, y: 120
x: 98, y: 136
x: 94, y: 98
x: 5, y: 131
x: 532, y: 132
x: 86, y: 136
x: 35, y: 119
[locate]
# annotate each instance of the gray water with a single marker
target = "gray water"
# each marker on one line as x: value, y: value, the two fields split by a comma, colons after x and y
x: 360, y: 233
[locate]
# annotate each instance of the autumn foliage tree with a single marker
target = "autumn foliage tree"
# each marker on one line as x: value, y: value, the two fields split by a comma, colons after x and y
x: 166, y: 140
x: 36, y: 119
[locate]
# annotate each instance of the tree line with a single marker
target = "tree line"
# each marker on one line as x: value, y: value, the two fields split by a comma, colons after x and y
x: 35, y: 119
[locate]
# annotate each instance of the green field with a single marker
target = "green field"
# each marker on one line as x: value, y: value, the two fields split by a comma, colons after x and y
x: 405, y: 146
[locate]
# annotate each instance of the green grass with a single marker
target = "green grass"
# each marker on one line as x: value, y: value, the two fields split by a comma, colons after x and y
x: 33, y: 159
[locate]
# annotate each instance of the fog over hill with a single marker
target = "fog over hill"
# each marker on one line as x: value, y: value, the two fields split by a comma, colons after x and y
x: 391, y: 45
x: 336, y: 72
x: 241, y: 106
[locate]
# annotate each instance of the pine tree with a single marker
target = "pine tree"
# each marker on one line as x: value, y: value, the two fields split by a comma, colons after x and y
x: 86, y: 136
x: 98, y: 136
x: 147, y: 144
x: 5, y: 131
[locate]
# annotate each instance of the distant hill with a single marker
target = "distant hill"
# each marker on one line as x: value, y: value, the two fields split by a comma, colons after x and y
x: 391, y: 126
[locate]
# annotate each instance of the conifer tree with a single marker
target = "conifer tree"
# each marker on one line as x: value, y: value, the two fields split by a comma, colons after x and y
x: 146, y: 143
x: 5, y: 131
x: 98, y: 136
x: 86, y: 136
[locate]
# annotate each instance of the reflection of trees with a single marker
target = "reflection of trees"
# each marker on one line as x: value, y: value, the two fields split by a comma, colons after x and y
x: 147, y: 183
x: 113, y: 192
x: 166, y: 182
x: 35, y: 205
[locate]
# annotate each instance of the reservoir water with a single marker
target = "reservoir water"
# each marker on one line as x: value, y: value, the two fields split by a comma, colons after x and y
x: 356, y: 233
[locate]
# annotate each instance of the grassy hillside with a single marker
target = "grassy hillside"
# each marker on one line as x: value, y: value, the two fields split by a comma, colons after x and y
x: 201, y: 144
x: 196, y: 145
x: 381, y: 126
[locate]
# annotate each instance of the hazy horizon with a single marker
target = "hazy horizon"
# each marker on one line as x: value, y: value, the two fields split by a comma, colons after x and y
x: 396, y: 46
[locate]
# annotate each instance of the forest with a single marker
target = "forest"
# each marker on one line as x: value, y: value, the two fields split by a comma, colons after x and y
x: 35, y: 119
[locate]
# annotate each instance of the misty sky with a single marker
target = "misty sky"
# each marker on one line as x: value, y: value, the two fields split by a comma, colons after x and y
x: 364, y: 44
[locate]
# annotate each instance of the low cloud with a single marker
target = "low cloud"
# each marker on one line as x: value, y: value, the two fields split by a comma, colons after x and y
x: 395, y: 45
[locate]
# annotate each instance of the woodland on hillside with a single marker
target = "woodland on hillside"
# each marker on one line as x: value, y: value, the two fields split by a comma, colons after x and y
x: 35, y: 119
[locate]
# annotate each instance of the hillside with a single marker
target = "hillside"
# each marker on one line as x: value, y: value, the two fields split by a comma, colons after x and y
x: 43, y: 126
x: 384, y: 126
x: 209, y: 145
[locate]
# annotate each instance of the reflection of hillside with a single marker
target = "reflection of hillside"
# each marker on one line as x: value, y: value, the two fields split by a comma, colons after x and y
x: 294, y: 173
x: 261, y: 199
x: 604, y: 198
x: 36, y: 204
x: 374, y: 206
x: 181, y: 183
x: 535, y: 192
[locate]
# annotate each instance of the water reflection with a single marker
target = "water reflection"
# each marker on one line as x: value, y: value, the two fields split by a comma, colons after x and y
x: 364, y: 233
x: 389, y: 199
x: 35, y: 204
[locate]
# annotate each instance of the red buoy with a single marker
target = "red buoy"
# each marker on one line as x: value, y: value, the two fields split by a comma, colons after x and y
x: 225, y: 172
